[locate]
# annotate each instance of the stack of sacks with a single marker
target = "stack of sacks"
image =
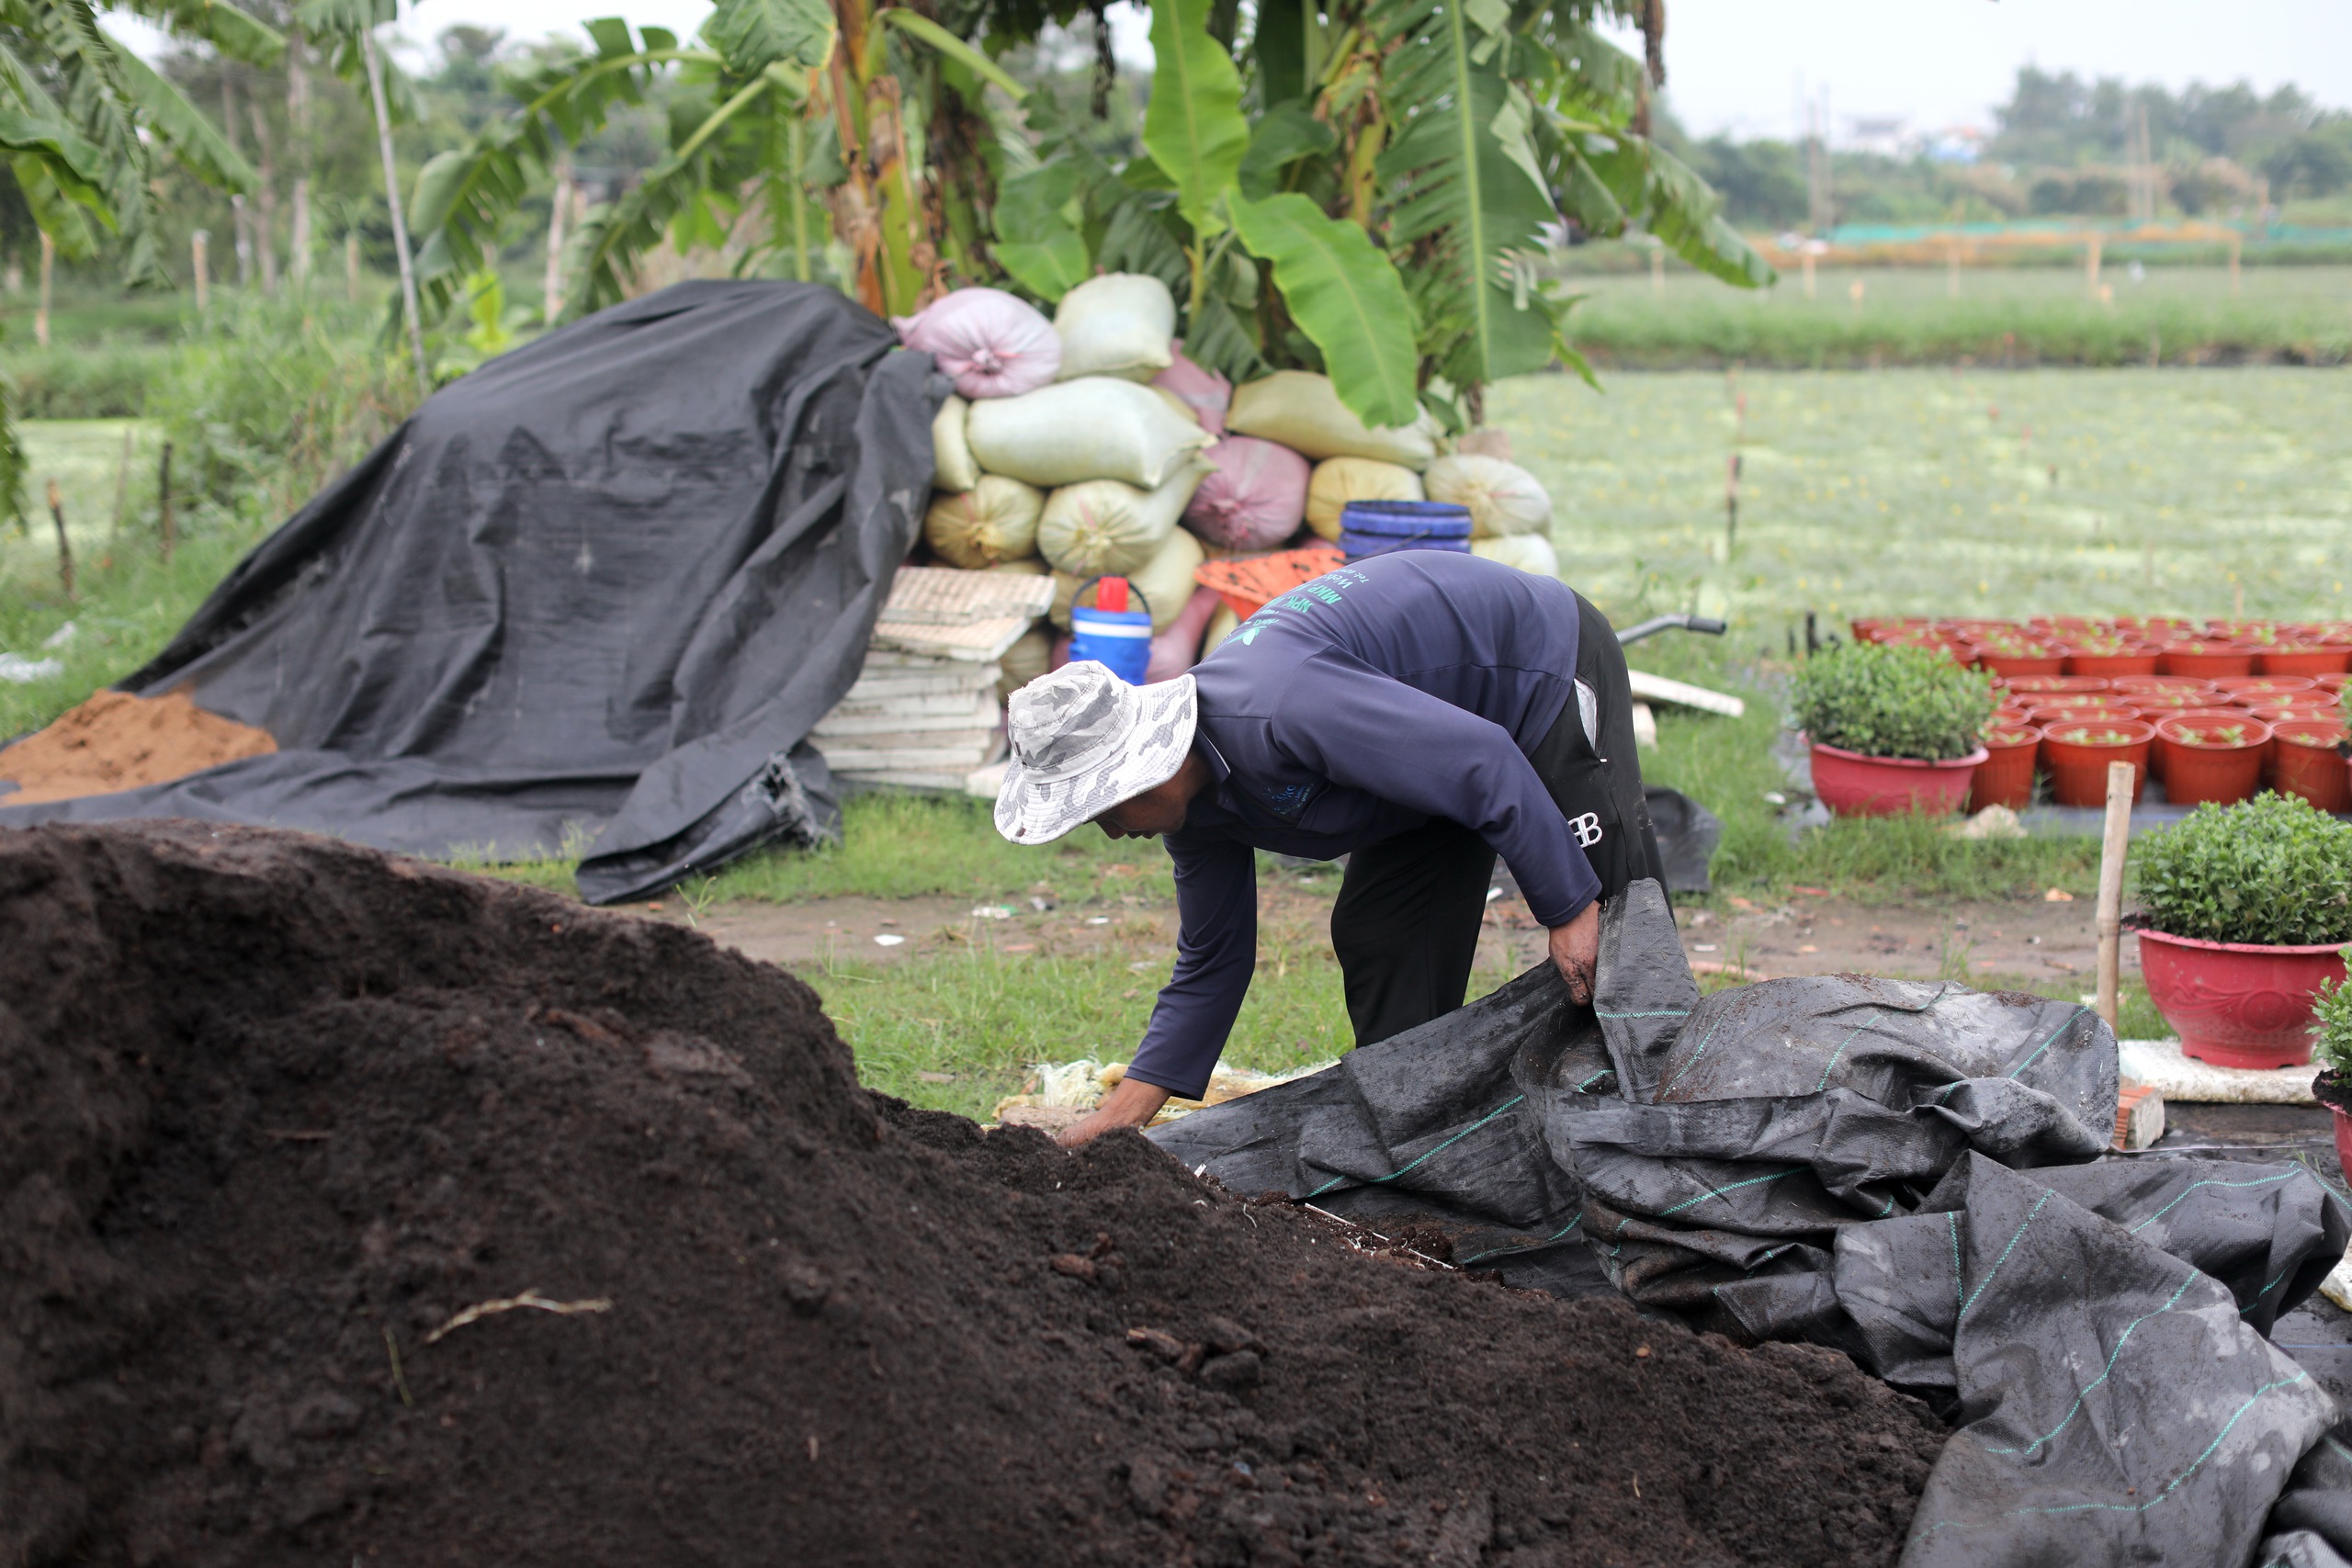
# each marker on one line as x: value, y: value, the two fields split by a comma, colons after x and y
x: 1091, y: 446
x: 924, y: 712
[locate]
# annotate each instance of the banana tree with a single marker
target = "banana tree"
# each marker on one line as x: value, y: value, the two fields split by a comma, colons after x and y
x: 86, y: 126
x: 1365, y: 187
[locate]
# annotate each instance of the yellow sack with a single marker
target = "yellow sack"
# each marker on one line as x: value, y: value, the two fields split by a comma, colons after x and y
x: 1303, y: 411
x: 994, y: 521
x: 1338, y: 480
x: 1102, y: 528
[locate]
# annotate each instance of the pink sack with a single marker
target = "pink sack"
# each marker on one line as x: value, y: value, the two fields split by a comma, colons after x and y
x: 1256, y: 498
x: 1205, y: 392
x: 990, y: 344
x: 1178, y: 648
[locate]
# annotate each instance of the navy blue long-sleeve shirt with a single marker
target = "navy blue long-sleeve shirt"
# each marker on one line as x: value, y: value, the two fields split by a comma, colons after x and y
x: 1360, y: 706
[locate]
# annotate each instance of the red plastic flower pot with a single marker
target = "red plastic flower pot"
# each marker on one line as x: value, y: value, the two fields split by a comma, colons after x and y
x: 2155, y: 704
x: 2206, y: 761
x: 2238, y: 1004
x: 2302, y: 659
x: 2332, y: 683
x: 2263, y: 688
x: 2304, y: 761
x: 2005, y: 776
x: 2076, y: 711
x: 2026, y: 659
x: 2075, y: 755
x: 2206, y: 660
x: 1852, y: 784
x: 2343, y: 1142
x: 2109, y: 662
x: 2141, y: 685
x: 2059, y: 685
x: 2216, y: 714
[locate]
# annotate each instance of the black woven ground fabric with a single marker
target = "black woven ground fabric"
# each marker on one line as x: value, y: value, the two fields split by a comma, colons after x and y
x: 1915, y: 1173
x: 593, y: 595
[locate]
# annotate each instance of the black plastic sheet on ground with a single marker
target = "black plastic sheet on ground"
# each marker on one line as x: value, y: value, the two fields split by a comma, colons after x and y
x: 1915, y: 1173
x: 591, y: 597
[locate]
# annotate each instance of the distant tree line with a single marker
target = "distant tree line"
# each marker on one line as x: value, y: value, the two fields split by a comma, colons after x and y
x: 2061, y: 146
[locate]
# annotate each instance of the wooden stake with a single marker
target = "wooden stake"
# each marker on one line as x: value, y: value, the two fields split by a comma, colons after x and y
x: 200, y: 246
x: 163, y: 498
x: 64, y: 547
x: 122, y: 484
x: 409, y: 305
x: 2112, y: 849
x: 48, y: 265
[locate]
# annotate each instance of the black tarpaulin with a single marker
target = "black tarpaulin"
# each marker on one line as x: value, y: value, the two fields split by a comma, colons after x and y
x: 1915, y: 1173
x: 589, y: 599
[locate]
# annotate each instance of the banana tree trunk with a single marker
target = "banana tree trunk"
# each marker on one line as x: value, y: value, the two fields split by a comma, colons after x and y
x: 409, y: 305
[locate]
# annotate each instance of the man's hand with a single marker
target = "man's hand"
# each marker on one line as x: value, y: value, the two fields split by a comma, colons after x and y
x: 1575, y: 948
x: 1132, y: 1103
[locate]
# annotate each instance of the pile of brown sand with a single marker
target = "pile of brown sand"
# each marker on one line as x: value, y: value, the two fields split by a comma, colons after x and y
x: 118, y: 741
x: 354, y: 1211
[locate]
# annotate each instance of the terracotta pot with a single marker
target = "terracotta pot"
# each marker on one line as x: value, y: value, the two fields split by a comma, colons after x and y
x: 2203, y: 659
x: 2304, y: 761
x: 2110, y: 663
x: 2302, y: 659
x: 2238, y: 1004
x: 2198, y: 771
x: 2005, y: 776
x: 2078, y: 768
x: 2058, y: 686
x: 1852, y: 784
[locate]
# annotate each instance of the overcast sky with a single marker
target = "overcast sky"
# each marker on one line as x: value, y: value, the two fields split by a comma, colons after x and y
x: 1744, y: 65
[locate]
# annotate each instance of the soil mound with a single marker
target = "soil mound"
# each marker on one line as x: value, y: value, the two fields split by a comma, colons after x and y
x: 118, y: 741
x: 276, y: 1113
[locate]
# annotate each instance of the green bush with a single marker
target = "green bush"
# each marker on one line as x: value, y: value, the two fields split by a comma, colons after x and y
x: 109, y: 381
x: 2332, y: 1013
x: 1892, y: 701
x: 2271, y: 869
x: 267, y: 402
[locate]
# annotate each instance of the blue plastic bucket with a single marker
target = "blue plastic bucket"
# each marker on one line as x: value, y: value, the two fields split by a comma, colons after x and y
x: 1379, y: 527
x: 1118, y: 639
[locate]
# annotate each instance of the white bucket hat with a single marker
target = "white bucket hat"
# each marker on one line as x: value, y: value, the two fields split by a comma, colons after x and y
x: 1084, y: 740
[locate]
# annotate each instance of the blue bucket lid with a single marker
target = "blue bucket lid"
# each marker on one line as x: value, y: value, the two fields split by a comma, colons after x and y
x: 1380, y: 527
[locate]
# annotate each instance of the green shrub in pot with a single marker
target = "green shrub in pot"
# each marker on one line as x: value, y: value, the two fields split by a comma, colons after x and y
x: 2331, y: 1037
x: 2271, y: 871
x: 1892, y: 701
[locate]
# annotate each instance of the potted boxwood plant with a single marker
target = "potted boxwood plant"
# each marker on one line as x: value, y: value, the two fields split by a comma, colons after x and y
x: 2332, y: 1048
x: 2245, y: 910
x: 1892, y: 730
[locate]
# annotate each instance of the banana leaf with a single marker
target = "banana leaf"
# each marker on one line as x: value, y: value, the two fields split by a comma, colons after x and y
x: 1193, y: 127
x: 1346, y: 297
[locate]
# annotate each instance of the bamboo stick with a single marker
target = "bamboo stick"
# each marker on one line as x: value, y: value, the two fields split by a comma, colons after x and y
x: 2112, y: 850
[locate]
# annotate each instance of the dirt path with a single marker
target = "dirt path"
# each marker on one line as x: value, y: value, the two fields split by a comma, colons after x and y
x: 2047, y: 945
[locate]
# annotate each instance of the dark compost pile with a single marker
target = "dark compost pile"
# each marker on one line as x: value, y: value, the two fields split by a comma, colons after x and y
x: 274, y: 1111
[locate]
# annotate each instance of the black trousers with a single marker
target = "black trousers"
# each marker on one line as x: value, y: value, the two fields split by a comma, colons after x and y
x: 1406, y: 923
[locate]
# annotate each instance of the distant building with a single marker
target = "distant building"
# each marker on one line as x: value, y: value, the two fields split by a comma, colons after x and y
x: 1955, y: 144
x: 1888, y: 136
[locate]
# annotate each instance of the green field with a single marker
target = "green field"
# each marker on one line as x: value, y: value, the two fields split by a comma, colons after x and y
x: 2007, y: 316
x: 1958, y: 492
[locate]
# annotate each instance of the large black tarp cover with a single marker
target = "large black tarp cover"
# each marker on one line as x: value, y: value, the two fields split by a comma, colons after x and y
x: 1916, y: 1173
x: 591, y: 597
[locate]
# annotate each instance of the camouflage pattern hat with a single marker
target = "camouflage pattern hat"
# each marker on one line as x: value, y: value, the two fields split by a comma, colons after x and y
x: 1084, y: 740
